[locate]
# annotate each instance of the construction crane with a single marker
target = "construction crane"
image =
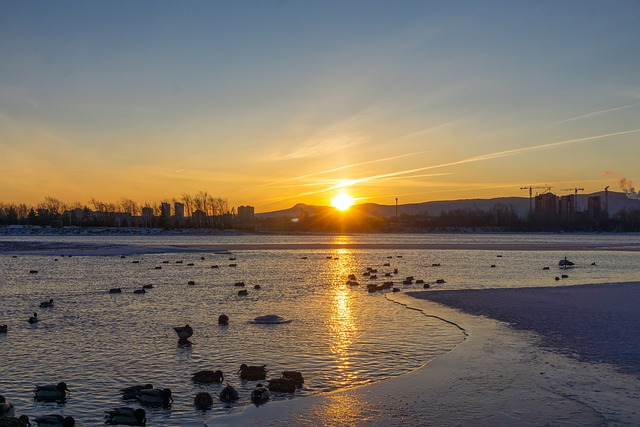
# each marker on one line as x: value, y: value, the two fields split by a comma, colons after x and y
x: 575, y: 200
x: 531, y: 188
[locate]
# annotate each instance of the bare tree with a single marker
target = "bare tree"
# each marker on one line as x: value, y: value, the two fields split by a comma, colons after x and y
x: 53, y: 206
x: 129, y: 206
x: 98, y: 205
x: 187, y: 199
x: 222, y: 205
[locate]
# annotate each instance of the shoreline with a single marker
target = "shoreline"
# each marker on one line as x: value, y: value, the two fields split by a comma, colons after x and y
x: 498, y: 376
x: 75, y: 249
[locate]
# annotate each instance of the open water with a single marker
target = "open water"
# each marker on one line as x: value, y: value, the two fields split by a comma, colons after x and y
x: 339, y: 336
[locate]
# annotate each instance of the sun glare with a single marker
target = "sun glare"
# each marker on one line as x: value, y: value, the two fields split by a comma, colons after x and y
x: 342, y: 201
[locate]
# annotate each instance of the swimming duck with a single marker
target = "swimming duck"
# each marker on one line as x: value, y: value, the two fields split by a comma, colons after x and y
x: 3, y: 329
x: 55, y: 420
x: 156, y: 397
x: 252, y: 372
x: 207, y: 377
x: 229, y: 393
x: 296, y: 376
x: 223, y: 319
x: 260, y: 394
x: 126, y: 416
x: 33, y: 319
x: 21, y: 421
x: 133, y: 392
x: 7, y: 409
x: 184, y: 332
x: 115, y: 291
x: 270, y: 319
x: 51, y: 392
x: 283, y: 385
x: 47, y: 304
x: 203, y: 400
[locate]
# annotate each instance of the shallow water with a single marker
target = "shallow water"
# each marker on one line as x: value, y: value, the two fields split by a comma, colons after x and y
x: 340, y: 336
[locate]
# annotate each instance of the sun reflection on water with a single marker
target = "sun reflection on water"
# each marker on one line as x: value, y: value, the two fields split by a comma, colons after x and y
x: 343, y: 323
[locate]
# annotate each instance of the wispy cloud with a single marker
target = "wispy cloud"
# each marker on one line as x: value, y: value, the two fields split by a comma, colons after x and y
x: 483, y: 157
x: 319, y: 145
x: 597, y: 113
x: 327, y: 171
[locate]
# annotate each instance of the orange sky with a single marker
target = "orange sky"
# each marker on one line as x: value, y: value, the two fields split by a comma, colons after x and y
x: 275, y: 103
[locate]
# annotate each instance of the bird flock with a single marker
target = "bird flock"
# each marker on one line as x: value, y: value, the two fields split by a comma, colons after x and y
x: 147, y: 395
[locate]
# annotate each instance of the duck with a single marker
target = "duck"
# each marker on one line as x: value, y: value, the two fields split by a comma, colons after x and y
x: 55, y: 420
x: 47, y: 304
x: 156, y: 397
x: 270, y: 319
x: 33, y: 319
x: 21, y: 421
x: 283, y: 385
x: 260, y: 394
x: 115, y: 290
x: 203, y: 400
x: 126, y: 416
x: 140, y: 291
x: 7, y: 409
x: 296, y: 376
x: 184, y: 332
x: 207, y: 377
x: 253, y: 372
x: 3, y: 329
x: 133, y: 392
x: 229, y: 393
x: 223, y: 319
x: 51, y: 392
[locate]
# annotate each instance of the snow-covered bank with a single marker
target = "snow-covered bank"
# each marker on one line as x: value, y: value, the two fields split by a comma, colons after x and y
x: 594, y: 323
x: 497, y: 377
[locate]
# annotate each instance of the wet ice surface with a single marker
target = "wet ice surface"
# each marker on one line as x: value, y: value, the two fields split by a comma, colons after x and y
x: 590, y: 322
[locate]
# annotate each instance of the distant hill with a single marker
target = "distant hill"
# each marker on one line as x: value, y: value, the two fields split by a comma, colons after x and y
x: 617, y: 202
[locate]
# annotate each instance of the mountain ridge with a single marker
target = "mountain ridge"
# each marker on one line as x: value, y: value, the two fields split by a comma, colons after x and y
x: 617, y: 202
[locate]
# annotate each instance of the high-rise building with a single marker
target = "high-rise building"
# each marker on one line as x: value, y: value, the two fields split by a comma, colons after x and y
x: 567, y: 207
x: 245, y: 214
x: 147, y: 217
x: 178, y: 208
x: 546, y: 205
x: 594, y: 207
x: 165, y: 210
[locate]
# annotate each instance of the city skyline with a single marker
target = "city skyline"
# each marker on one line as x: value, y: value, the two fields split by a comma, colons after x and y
x: 270, y: 104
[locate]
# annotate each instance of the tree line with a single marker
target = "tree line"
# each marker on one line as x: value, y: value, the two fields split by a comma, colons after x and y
x: 54, y: 210
x: 216, y: 214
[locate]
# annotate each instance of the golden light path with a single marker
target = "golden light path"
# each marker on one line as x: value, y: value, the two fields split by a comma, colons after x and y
x: 343, y: 323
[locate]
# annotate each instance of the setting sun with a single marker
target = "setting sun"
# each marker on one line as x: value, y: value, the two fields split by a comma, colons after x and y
x: 342, y: 201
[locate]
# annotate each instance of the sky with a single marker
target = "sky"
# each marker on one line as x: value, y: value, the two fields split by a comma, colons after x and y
x: 271, y: 103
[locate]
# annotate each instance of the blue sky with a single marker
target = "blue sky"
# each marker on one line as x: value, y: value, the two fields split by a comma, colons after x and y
x: 270, y: 103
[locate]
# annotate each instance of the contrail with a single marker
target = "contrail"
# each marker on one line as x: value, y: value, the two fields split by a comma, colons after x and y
x: 596, y: 113
x: 352, y: 165
x: 490, y: 156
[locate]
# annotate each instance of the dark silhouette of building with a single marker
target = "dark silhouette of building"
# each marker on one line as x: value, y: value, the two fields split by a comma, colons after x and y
x: 546, y: 206
x: 567, y: 207
x: 245, y: 214
x: 594, y: 207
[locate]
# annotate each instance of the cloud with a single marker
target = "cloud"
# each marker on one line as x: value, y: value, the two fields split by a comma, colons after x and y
x: 483, y: 157
x: 320, y: 145
x: 597, y: 113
